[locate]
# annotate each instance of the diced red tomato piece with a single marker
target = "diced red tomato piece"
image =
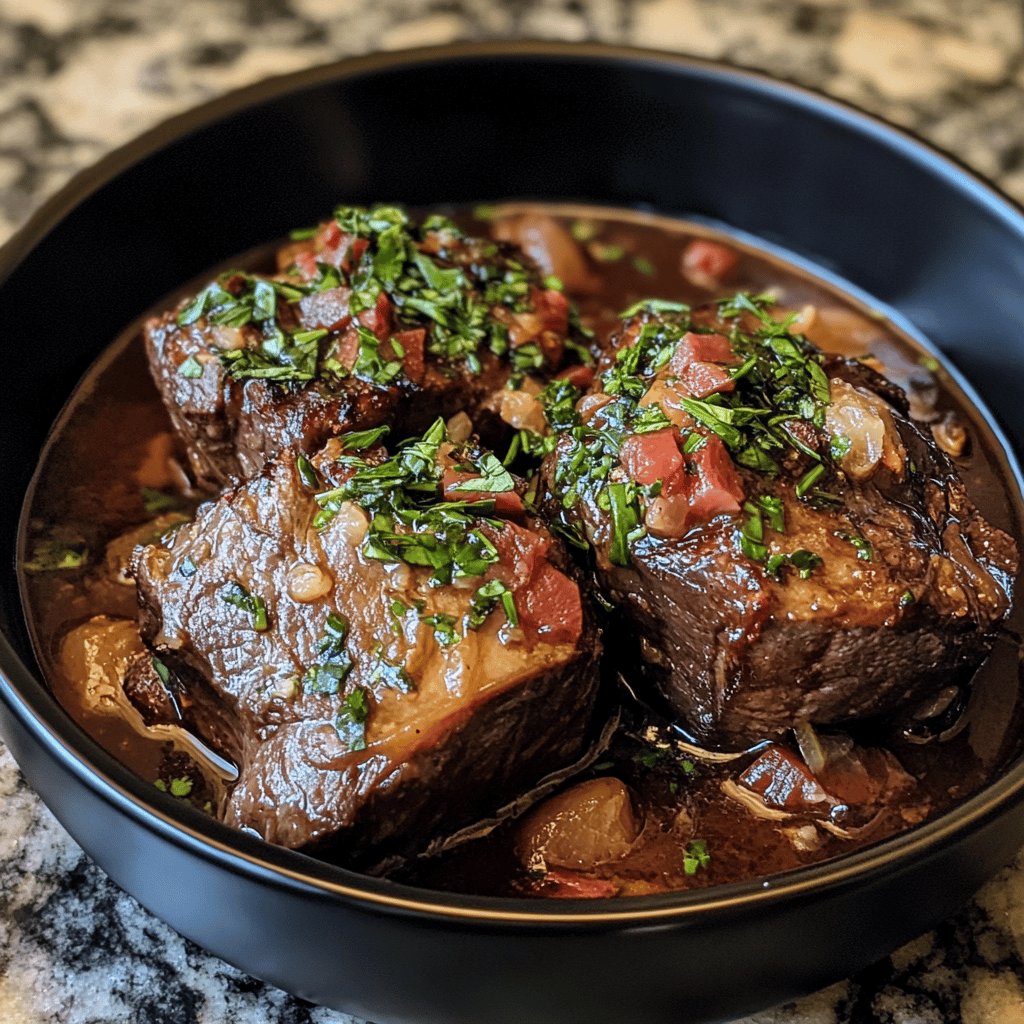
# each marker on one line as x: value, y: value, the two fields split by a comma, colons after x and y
x: 568, y: 885
x: 306, y: 262
x: 552, y: 308
x: 579, y: 376
x: 549, y: 606
x: 520, y: 551
x: 378, y: 319
x: 354, y: 254
x: 783, y: 781
x: 506, y: 503
x: 702, y: 348
x: 705, y: 262
x: 328, y: 309
x: 703, y: 379
x: 347, y: 351
x: 329, y: 236
x: 412, y: 345
x: 716, y: 484
x: 650, y: 457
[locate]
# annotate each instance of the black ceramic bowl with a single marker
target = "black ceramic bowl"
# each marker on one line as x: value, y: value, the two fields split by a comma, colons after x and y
x: 474, y: 123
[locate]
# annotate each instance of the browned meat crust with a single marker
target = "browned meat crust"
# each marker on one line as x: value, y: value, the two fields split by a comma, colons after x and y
x: 386, y: 354
x: 416, y: 734
x: 903, y: 595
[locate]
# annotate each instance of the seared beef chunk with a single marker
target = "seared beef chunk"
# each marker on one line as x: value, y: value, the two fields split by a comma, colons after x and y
x: 787, y: 545
x: 395, y: 637
x: 373, y: 320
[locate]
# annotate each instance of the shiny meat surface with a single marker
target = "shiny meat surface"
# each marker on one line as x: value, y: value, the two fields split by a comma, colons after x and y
x: 370, y: 714
x: 759, y: 599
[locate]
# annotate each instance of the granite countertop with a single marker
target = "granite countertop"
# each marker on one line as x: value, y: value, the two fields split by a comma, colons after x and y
x: 78, y: 77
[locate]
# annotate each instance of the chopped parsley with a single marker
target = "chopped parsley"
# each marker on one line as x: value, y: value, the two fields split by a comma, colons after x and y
x: 389, y: 674
x: 802, y: 560
x: 190, y: 368
x: 861, y: 544
x: 494, y: 478
x: 487, y: 598
x: 253, y: 605
x: 431, y: 274
x: 180, y: 787
x: 445, y: 632
x: 696, y: 856
x: 626, y: 520
x: 409, y: 519
x: 155, y: 501
x: 163, y: 673
x: 333, y: 660
x: 307, y: 474
x: 350, y: 721
x: 54, y: 553
x: 780, y: 389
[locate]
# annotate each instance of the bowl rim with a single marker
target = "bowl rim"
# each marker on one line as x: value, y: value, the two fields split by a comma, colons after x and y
x: 30, y: 701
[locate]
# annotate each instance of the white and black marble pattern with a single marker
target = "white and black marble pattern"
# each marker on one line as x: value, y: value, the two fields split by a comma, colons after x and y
x: 79, y: 77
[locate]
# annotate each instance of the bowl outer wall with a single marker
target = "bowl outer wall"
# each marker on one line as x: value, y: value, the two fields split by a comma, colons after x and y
x: 616, y: 127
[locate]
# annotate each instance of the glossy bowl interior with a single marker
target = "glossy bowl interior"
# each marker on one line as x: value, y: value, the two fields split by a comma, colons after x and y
x: 623, y: 128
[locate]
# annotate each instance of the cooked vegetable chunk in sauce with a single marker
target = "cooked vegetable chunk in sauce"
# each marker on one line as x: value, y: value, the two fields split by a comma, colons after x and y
x: 541, y: 551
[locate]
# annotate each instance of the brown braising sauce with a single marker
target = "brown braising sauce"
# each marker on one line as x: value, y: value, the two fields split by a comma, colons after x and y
x: 108, y: 481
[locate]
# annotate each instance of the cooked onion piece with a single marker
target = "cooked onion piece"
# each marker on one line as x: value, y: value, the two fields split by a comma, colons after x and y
x: 590, y: 824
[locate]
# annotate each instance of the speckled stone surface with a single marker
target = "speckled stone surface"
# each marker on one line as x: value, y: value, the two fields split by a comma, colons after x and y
x: 78, y: 77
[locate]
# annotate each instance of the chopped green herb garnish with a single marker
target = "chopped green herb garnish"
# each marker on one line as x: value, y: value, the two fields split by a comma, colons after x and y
x: 696, y: 856
x: 486, y: 598
x: 626, y: 520
x: 50, y: 555
x: 644, y: 266
x: 350, y: 721
x: 809, y: 479
x: 154, y: 500
x: 190, y: 368
x: 360, y: 440
x: 307, y: 474
x: 445, y: 632
x: 391, y: 675
x: 163, y: 673
x: 862, y: 544
x: 252, y: 604
x: 583, y: 230
x: 606, y: 252
x: 494, y: 478
x: 775, y: 511
x: 805, y: 562
x: 181, y: 787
